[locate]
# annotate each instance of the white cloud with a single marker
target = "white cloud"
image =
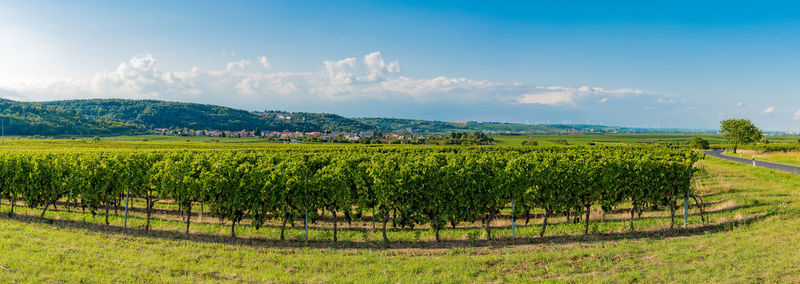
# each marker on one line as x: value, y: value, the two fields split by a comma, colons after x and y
x: 264, y: 62
x: 238, y: 65
x: 549, y: 98
x: 740, y: 104
x: 665, y: 100
x: 797, y: 115
x: 139, y: 78
x: 769, y: 110
x: 556, y: 95
x: 350, y: 80
x: 372, y: 68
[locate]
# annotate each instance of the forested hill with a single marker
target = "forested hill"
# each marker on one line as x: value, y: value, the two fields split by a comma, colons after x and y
x: 19, y: 118
x: 162, y: 114
x: 119, y: 116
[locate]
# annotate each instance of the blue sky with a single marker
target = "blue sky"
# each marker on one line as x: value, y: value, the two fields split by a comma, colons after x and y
x: 638, y: 63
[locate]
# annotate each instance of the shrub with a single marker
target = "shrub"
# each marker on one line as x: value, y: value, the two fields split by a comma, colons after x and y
x: 699, y: 143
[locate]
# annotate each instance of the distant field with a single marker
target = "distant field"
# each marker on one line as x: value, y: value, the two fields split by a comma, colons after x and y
x: 576, y: 139
x: 584, y: 139
x: 154, y: 141
x: 755, y: 216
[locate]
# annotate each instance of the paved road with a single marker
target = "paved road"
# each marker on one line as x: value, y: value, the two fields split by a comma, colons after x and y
x: 774, y: 166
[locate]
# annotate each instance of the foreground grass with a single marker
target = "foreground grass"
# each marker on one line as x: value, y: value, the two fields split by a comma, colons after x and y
x: 736, y: 249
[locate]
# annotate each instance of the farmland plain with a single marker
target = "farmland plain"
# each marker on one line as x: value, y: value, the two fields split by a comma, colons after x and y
x: 754, y: 215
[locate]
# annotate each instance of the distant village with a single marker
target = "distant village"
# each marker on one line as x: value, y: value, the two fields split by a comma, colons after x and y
x: 289, y: 135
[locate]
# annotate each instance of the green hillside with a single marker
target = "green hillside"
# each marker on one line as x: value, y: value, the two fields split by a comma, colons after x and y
x: 162, y: 114
x: 36, y: 119
x: 125, y: 117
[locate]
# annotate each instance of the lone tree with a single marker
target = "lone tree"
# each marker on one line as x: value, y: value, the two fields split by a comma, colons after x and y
x: 740, y: 131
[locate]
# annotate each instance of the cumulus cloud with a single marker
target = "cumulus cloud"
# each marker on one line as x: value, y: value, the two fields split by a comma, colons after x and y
x: 769, y: 110
x: 238, y: 65
x: 549, y: 98
x: 139, y: 78
x: 565, y: 96
x: 350, y: 81
x: 351, y: 71
x: 797, y: 115
x: 264, y: 62
x: 665, y: 100
x: 740, y: 104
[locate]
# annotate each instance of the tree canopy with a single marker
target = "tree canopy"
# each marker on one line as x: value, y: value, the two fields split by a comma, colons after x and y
x: 740, y: 131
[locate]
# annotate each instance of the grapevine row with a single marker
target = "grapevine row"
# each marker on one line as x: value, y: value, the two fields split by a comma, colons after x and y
x: 425, y: 185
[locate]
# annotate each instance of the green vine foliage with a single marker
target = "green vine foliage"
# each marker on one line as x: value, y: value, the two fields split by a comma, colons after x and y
x: 420, y: 185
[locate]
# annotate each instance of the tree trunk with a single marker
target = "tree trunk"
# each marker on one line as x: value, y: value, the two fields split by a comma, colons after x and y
x: 233, y: 229
x: 700, y: 205
x: 373, y: 218
x: 544, y: 223
x: 13, y: 202
x: 588, y: 210
x: 394, y: 219
x: 489, y: 225
x: 283, y: 227
x: 527, y: 216
x: 436, y: 227
x: 385, y: 220
x: 735, y: 146
x: 44, y: 210
x: 672, y: 216
x: 633, y: 211
x: 107, y: 208
x: 188, y: 217
x: 149, y: 209
x: 333, y: 212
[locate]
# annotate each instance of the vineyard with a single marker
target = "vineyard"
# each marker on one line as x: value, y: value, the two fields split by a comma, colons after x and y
x: 438, y: 187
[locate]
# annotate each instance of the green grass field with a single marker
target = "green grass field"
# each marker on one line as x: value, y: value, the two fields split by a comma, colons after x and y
x: 752, y: 238
x: 626, y: 138
x: 500, y: 139
x: 787, y: 158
